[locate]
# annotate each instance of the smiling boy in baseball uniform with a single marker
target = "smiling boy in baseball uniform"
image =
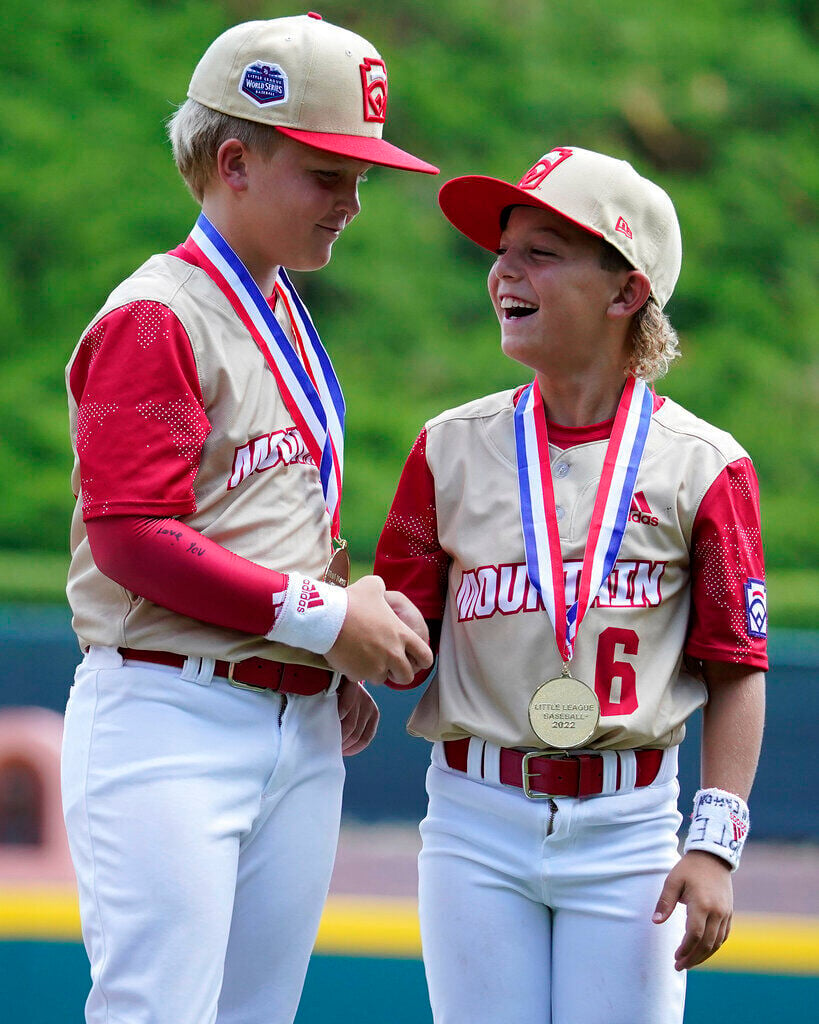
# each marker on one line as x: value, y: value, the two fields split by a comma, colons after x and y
x: 202, y: 761
x: 590, y: 554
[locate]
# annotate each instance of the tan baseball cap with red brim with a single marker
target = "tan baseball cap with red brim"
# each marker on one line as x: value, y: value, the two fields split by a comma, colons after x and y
x: 316, y: 82
x: 598, y: 193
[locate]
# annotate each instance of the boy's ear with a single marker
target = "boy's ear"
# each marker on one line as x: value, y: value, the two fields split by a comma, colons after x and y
x: 632, y: 295
x: 231, y: 165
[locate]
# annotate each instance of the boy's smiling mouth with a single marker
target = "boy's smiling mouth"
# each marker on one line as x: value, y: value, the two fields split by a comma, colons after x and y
x: 514, y: 308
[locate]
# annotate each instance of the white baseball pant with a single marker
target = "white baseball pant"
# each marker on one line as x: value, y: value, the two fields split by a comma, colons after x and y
x: 203, y: 822
x: 528, y: 914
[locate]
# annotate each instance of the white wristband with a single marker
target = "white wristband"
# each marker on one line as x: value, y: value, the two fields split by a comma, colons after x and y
x: 310, y: 615
x: 719, y: 825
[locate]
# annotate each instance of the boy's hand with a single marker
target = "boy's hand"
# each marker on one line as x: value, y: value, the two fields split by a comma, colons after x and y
x: 374, y: 643
x: 359, y: 716
x: 702, y: 882
x: 407, y: 613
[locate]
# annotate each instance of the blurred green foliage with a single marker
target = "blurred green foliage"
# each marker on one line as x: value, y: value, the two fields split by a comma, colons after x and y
x: 715, y: 99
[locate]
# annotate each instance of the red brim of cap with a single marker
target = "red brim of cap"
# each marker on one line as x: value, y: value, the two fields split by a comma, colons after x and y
x: 474, y: 204
x: 361, y: 147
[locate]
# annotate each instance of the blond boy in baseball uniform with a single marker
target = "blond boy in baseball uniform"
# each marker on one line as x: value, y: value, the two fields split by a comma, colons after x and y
x: 590, y: 554
x: 202, y: 763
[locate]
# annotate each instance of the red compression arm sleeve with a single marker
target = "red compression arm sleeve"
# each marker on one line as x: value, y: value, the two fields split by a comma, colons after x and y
x: 174, y: 566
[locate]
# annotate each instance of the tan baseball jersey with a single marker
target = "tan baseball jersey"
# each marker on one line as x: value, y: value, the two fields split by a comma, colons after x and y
x: 174, y: 412
x: 688, y: 578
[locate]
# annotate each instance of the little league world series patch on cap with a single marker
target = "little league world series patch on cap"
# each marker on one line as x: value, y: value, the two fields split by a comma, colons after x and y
x: 600, y: 194
x: 316, y: 82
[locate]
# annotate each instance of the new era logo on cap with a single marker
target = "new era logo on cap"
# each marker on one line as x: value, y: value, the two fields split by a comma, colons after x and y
x: 623, y: 228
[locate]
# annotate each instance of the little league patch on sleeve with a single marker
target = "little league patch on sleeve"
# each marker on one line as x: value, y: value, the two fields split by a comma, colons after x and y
x: 264, y: 84
x: 756, y: 608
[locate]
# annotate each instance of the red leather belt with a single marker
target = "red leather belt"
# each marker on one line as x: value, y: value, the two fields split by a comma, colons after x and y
x: 555, y: 775
x: 252, y: 673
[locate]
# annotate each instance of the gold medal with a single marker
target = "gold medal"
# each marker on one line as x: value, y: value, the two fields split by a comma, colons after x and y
x: 564, y: 712
x: 338, y: 568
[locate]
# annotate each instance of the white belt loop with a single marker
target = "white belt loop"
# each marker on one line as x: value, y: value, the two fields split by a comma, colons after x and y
x: 190, y: 670
x: 198, y: 670
x: 668, y: 766
x: 491, y: 762
x: 474, y: 760
x: 628, y: 770
x: 205, y: 674
x: 335, y: 682
x: 610, y: 761
x: 438, y: 756
x: 103, y: 657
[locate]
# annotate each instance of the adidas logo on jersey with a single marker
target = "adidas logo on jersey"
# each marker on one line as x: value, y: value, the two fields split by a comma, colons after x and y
x: 640, y: 511
x: 309, y: 598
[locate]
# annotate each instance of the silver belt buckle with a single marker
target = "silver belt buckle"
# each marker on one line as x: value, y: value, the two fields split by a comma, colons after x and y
x: 526, y: 775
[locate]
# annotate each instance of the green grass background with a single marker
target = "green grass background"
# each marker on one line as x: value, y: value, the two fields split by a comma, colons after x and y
x: 715, y: 99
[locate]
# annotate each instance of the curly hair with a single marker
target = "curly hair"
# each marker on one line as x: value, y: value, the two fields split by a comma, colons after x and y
x: 196, y: 133
x: 654, y: 342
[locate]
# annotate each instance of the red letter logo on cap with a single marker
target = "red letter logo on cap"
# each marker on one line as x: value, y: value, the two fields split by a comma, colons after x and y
x: 534, y: 177
x: 374, y: 84
x: 622, y: 227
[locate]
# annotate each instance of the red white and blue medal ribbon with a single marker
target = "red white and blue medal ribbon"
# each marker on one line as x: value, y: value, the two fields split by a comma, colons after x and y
x: 544, y: 561
x: 317, y: 408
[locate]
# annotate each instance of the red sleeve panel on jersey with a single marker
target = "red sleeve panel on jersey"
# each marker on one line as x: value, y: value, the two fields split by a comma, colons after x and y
x: 141, y: 420
x: 409, y: 556
x: 728, y: 609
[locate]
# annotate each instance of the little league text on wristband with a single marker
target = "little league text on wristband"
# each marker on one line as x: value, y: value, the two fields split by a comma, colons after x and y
x: 309, y: 615
x: 719, y: 825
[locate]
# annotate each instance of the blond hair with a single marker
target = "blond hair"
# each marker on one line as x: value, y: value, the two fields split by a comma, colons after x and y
x: 654, y: 342
x: 196, y: 133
